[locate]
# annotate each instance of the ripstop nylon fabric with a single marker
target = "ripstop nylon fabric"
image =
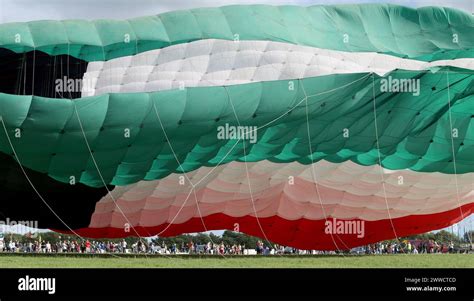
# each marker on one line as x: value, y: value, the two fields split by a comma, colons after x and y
x: 412, y: 134
x: 425, y: 33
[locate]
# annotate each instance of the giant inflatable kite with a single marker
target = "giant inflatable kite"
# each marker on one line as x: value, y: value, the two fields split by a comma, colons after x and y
x: 321, y: 127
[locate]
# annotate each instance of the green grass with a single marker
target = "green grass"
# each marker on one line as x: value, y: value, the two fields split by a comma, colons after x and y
x: 327, y: 261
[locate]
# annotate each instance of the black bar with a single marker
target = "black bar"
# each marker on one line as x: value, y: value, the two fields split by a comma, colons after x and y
x: 105, y: 283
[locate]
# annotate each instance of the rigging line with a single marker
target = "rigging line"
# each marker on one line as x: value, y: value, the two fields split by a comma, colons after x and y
x: 193, y: 186
x: 380, y: 159
x: 24, y: 75
x: 30, y: 182
x: 452, y: 146
x: 313, y: 172
x: 100, y: 174
x: 33, y: 75
x: 247, y: 173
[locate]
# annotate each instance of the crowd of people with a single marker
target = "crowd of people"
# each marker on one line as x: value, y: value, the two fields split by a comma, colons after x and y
x: 150, y: 247
x: 100, y: 247
x: 415, y: 247
x: 71, y: 246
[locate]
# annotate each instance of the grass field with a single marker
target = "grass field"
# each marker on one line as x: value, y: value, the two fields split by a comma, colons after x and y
x: 322, y: 261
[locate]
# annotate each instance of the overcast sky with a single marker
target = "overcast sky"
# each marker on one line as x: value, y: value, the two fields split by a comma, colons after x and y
x: 27, y: 10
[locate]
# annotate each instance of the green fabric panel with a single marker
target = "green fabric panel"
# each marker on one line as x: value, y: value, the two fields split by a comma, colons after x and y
x: 207, y: 18
x: 424, y: 33
x: 150, y: 33
x: 15, y: 108
x: 40, y: 31
x: 181, y: 26
x: 413, y: 131
x: 17, y: 37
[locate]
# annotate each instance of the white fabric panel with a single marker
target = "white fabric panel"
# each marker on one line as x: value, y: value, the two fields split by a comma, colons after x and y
x: 214, y: 62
